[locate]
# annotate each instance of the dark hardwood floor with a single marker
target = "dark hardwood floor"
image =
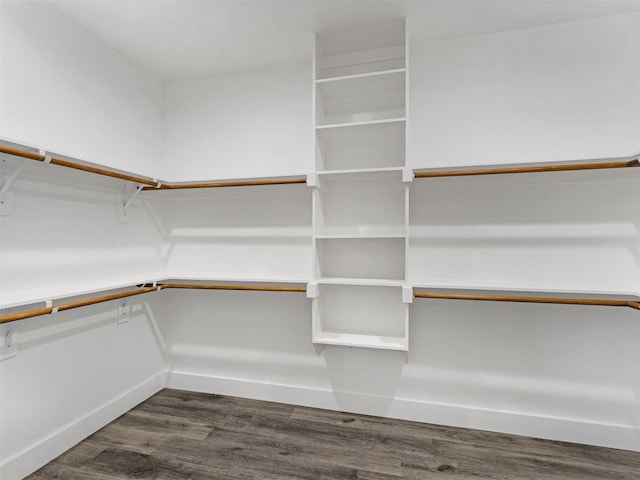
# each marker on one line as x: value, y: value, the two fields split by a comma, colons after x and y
x: 185, y: 435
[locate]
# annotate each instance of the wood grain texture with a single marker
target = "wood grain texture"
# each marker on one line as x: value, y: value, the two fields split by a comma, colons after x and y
x: 78, y: 166
x: 527, y: 169
x: 187, y: 435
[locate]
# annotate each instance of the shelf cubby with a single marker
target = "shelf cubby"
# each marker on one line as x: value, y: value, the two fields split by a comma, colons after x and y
x: 360, y: 316
x: 356, y: 207
x: 360, y: 193
x: 361, y: 98
x: 375, y: 144
x: 363, y: 258
x: 360, y: 49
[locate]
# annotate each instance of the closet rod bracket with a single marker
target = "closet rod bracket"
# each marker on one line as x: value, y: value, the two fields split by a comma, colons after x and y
x: 127, y: 199
x: 9, y: 338
x: 6, y: 182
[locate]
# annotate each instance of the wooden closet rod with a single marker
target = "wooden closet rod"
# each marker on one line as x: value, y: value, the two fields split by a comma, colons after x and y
x: 538, y: 169
x: 77, y: 166
x: 507, y: 298
x: 68, y: 306
x: 151, y: 184
x: 258, y: 288
x: 230, y: 183
x: 145, y: 289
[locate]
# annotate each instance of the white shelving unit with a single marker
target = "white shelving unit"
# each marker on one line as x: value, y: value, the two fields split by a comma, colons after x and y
x: 361, y: 193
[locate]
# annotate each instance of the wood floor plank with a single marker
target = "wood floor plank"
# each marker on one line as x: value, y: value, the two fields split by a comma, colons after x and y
x: 67, y: 472
x: 256, y: 460
x: 401, y: 433
x: 142, y: 432
x: 176, y: 435
x: 81, y: 453
x: 318, y: 442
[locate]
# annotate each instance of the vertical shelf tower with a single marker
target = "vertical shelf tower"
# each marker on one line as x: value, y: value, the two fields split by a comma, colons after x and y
x: 361, y: 188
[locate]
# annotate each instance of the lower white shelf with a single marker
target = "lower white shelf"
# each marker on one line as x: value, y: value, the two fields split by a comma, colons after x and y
x: 371, y: 316
x: 373, y: 282
x: 503, y: 289
x: 358, y: 340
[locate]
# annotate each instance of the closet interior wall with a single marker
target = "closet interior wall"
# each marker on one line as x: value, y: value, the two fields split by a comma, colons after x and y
x: 63, y: 89
x: 555, y: 93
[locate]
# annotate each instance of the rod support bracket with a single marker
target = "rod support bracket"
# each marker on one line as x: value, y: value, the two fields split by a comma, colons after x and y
x: 312, y: 180
x: 407, y: 294
x: 124, y: 313
x: 408, y: 175
x: 126, y: 200
x: 47, y: 158
x: 312, y: 290
x: 9, y: 335
x: 6, y: 182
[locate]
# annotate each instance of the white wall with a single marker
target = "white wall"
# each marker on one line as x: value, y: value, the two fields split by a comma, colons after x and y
x: 562, y: 92
x: 564, y: 231
x: 65, y: 236
x: 567, y: 91
x: 74, y: 373
x: 559, y: 372
x: 64, y: 90
x: 247, y: 124
x: 77, y: 370
x: 245, y: 233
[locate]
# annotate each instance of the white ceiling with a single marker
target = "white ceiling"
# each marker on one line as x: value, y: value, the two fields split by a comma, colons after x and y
x: 177, y: 39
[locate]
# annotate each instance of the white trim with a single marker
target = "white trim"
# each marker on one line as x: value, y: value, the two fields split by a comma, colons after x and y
x: 551, y: 428
x: 35, y: 456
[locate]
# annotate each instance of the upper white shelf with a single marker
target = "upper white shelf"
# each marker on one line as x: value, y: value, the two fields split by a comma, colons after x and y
x: 361, y: 231
x: 331, y: 177
x: 258, y: 279
x: 503, y: 289
x: 362, y: 340
x: 20, y: 299
x: 361, y: 145
x: 360, y: 76
x: 373, y: 282
x: 363, y: 123
x: 361, y: 98
x: 360, y: 49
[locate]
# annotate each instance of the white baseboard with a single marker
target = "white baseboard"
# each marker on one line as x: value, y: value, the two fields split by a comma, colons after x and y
x: 561, y: 429
x: 32, y: 458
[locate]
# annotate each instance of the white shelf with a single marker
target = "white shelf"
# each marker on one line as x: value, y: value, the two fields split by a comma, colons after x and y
x: 392, y: 175
x: 363, y: 232
x: 374, y: 47
x: 365, y: 145
x: 362, y: 341
x: 40, y: 296
x: 285, y: 233
x: 359, y: 315
x: 368, y: 258
x: 186, y: 277
x: 371, y: 282
x: 361, y: 62
x: 360, y: 75
x: 361, y: 98
x: 364, y: 123
x: 360, y: 197
x: 362, y: 171
x: 14, y: 301
x: 373, y: 208
x: 498, y: 289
